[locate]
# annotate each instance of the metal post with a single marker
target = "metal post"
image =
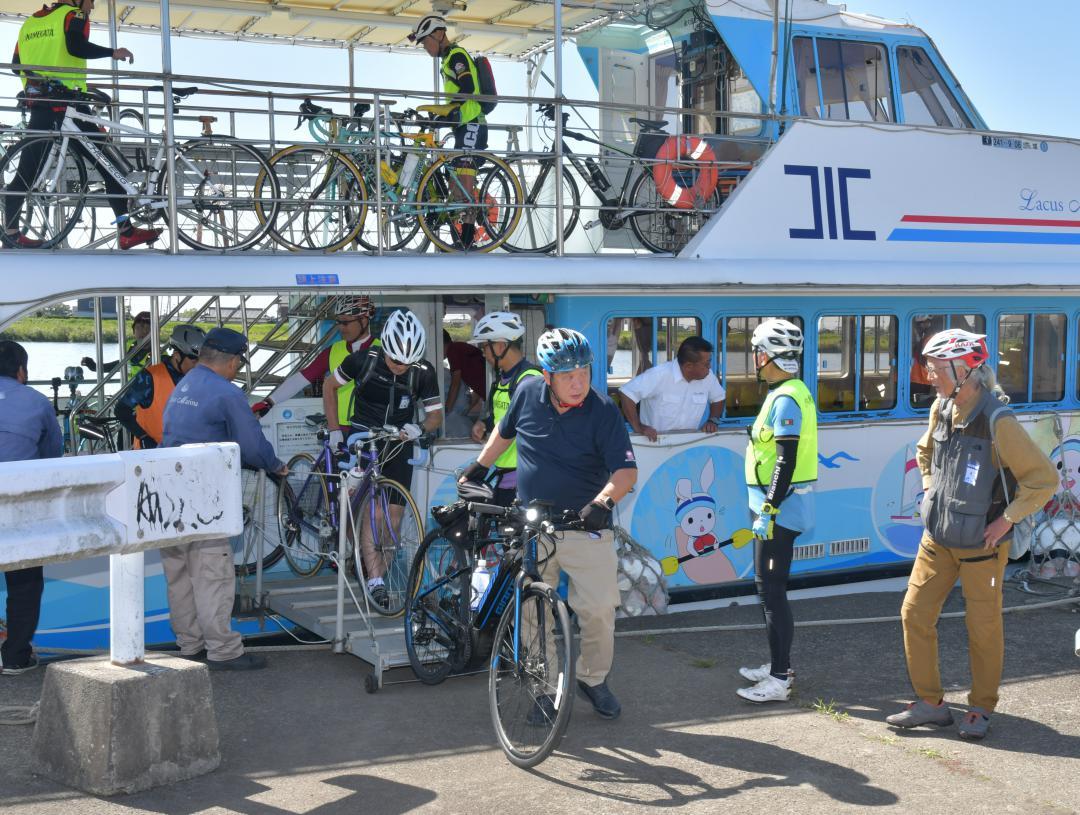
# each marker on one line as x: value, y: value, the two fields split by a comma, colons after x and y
x: 343, y: 534
x: 154, y: 339
x: 775, y: 56
x: 127, y: 638
x: 378, y: 176
x: 99, y: 350
x: 113, y: 63
x: 170, y: 132
x: 247, y: 368
x: 559, y: 248
x: 352, y: 78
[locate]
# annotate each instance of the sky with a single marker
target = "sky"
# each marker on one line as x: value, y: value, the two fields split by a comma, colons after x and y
x: 1015, y: 60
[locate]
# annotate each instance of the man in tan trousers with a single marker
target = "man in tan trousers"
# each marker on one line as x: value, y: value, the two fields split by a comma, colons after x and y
x: 206, y: 407
x: 574, y: 454
x: 982, y: 474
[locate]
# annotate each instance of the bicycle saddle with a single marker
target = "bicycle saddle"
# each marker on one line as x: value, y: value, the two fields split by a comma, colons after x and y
x: 438, y: 110
x: 179, y: 93
x: 315, y: 419
x: 654, y: 125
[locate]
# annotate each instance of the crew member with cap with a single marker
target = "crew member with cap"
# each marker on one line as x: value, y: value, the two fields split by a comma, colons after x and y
x: 207, y: 407
x: 28, y: 430
x: 141, y: 408
x: 575, y: 454
x: 781, y: 466
x: 353, y: 320
x: 982, y: 474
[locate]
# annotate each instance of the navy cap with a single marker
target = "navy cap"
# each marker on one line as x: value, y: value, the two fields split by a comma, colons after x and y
x: 227, y: 341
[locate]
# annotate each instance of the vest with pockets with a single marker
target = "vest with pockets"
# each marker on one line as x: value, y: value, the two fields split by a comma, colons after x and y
x: 150, y: 418
x: 761, y: 449
x: 470, y: 108
x: 966, y: 492
x: 43, y: 41
x: 499, y: 401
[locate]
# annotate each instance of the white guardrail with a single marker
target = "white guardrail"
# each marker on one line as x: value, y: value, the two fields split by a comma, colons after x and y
x: 118, y: 505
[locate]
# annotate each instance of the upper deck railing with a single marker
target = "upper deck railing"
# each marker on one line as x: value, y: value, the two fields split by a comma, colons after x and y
x: 278, y: 167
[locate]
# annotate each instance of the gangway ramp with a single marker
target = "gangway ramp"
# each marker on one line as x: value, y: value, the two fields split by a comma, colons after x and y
x: 313, y: 604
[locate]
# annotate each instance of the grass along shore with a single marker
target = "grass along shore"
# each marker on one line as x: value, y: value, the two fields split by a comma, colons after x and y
x: 81, y: 329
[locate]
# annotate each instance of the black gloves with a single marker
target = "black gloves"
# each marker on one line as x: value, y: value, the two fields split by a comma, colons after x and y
x: 594, y: 517
x: 474, y: 471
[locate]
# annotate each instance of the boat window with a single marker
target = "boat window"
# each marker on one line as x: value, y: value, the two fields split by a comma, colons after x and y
x: 665, y: 89
x: 854, y: 81
x: 926, y: 99
x: 635, y: 344
x: 735, y: 365
x: 856, y: 355
x: 806, y: 78
x: 1031, y: 356
x: 923, y: 327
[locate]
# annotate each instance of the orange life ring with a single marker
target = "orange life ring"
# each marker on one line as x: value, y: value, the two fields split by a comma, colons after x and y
x: 681, y: 153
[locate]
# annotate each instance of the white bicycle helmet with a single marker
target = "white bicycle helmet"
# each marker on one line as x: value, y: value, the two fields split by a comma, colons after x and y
x: 781, y: 340
x: 187, y: 339
x: 426, y: 27
x: 403, y: 337
x: 498, y: 326
x: 957, y: 344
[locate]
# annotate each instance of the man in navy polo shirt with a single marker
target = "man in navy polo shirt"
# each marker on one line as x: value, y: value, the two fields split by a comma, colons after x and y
x: 573, y: 452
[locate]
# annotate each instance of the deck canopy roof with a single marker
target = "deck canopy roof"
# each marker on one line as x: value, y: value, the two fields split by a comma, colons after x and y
x: 508, y: 28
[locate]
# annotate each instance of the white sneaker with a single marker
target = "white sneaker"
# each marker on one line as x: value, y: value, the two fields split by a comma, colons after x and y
x: 769, y: 689
x: 755, y: 674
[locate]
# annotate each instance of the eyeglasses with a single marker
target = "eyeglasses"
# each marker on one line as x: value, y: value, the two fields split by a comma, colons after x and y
x: 932, y: 370
x: 348, y: 320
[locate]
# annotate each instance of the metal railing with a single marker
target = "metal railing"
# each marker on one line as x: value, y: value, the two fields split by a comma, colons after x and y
x: 244, y: 178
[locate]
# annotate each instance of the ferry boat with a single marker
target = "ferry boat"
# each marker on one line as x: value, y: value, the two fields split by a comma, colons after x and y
x: 860, y: 195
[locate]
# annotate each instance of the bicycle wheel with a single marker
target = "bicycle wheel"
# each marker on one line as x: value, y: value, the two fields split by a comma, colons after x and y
x: 133, y: 147
x: 495, y: 209
x: 437, y: 616
x: 398, y: 222
x: 306, y: 520
x: 388, y: 516
x: 323, y: 199
x: 536, y: 230
x: 54, y: 198
x: 260, y: 535
x: 659, y: 226
x: 217, y: 202
x: 531, y: 677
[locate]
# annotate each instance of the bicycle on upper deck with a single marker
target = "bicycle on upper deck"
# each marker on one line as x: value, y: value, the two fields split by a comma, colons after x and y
x: 385, y: 525
x: 214, y: 175
x: 449, y: 611
x: 328, y: 189
x: 664, y: 199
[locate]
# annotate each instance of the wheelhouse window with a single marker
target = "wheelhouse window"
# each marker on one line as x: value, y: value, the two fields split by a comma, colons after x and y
x: 923, y: 327
x: 1031, y: 356
x: 635, y: 344
x: 848, y: 81
x: 735, y: 365
x: 856, y: 363
x: 925, y: 97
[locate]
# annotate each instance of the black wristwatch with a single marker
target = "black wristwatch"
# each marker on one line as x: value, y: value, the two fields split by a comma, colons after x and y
x: 607, y: 502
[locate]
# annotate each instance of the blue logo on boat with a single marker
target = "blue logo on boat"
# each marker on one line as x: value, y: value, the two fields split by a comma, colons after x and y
x: 286, y: 414
x: 829, y: 463
x: 1044, y: 146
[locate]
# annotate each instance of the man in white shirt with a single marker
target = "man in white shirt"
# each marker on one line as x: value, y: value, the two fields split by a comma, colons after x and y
x: 674, y: 396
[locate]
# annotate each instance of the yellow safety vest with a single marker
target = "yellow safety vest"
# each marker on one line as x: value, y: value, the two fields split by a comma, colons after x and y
x: 338, y: 351
x: 500, y: 403
x: 470, y: 108
x: 43, y: 41
x: 761, y: 449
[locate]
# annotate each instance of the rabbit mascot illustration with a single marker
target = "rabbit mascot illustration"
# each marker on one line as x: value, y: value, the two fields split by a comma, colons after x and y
x: 696, y: 536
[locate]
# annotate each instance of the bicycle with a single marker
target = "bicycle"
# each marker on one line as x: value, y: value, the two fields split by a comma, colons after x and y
x: 384, y: 539
x: 260, y: 536
x: 531, y: 669
x: 214, y: 209
x: 658, y: 225
x: 416, y: 191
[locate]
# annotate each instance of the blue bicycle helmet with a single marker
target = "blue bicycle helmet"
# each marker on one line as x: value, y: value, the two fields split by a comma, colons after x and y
x: 563, y: 349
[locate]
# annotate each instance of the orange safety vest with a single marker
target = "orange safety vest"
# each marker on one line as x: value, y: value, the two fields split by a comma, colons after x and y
x: 150, y: 419
x: 919, y: 376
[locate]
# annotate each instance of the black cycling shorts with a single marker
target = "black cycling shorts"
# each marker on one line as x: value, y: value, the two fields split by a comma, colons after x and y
x: 469, y: 136
x: 398, y: 467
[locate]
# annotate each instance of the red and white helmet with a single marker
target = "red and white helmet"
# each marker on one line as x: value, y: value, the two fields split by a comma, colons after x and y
x: 955, y: 344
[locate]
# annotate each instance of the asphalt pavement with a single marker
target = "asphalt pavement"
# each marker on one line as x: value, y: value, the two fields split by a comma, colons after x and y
x: 303, y: 737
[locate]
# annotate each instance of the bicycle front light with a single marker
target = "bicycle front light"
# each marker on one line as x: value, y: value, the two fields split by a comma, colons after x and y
x: 531, y: 514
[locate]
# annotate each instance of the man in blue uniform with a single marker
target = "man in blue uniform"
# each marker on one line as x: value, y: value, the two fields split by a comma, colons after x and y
x: 574, y: 453
x: 207, y: 407
x: 28, y: 430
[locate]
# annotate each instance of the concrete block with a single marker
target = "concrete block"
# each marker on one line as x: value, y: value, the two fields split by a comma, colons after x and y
x: 107, y: 729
